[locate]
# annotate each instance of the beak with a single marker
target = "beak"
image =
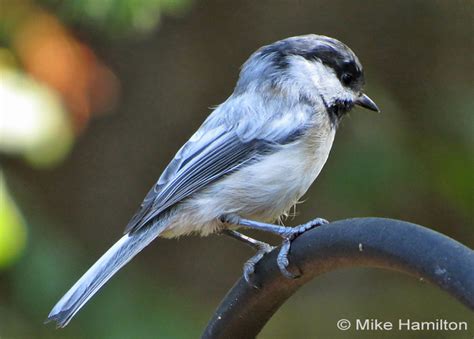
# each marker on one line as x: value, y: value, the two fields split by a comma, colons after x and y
x: 364, y: 101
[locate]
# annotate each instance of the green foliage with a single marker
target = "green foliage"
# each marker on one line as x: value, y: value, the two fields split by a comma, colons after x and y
x: 118, y: 17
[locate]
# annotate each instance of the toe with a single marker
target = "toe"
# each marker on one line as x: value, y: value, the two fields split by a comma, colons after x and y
x: 283, y: 261
x: 288, y: 274
x: 249, y: 277
x: 323, y: 221
x: 249, y: 271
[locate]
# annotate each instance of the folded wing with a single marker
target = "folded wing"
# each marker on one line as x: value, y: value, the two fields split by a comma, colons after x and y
x: 210, y: 154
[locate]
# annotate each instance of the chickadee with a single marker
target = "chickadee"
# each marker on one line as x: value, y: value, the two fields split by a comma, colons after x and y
x: 250, y: 161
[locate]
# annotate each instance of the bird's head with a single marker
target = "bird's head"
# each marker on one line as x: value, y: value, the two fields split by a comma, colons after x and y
x: 315, y: 66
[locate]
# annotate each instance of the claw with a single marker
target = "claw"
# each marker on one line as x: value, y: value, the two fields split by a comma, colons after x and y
x: 249, y: 270
x: 312, y: 224
x: 282, y: 259
x: 249, y: 266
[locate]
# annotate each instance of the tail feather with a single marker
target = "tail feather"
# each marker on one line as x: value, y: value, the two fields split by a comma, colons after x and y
x: 113, y: 260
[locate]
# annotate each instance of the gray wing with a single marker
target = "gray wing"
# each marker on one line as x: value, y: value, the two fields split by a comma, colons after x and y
x: 212, y: 153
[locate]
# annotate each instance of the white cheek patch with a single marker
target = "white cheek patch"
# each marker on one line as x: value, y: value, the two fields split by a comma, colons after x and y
x: 319, y: 78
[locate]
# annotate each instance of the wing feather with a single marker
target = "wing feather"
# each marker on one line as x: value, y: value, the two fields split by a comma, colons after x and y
x: 207, y: 163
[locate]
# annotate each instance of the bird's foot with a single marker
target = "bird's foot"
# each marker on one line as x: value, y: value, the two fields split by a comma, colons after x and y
x: 287, y: 233
x: 261, y: 247
x: 249, y: 266
x: 290, y: 234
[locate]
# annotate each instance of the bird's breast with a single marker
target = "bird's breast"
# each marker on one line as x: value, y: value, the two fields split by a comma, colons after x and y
x: 270, y: 186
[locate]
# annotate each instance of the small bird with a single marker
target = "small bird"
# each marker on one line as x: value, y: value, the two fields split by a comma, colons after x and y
x: 251, y: 160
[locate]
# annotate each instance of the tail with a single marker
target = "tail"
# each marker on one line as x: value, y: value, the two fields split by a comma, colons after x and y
x: 113, y: 260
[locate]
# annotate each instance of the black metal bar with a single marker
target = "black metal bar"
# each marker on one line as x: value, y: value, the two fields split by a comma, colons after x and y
x: 370, y: 242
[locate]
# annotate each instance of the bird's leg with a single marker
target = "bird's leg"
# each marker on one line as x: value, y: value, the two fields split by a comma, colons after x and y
x: 261, y: 247
x: 287, y: 233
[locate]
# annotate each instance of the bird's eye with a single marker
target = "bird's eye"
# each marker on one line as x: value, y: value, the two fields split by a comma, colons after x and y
x: 347, y: 79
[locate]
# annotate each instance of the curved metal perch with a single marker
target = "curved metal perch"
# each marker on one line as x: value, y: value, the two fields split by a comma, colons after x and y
x: 370, y: 242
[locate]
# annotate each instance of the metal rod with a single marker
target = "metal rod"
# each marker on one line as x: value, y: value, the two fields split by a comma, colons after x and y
x: 369, y: 242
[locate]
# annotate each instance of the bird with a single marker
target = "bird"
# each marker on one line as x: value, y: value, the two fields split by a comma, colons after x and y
x: 250, y: 161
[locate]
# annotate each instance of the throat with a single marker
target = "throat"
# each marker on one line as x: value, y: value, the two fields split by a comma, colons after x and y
x: 337, y: 110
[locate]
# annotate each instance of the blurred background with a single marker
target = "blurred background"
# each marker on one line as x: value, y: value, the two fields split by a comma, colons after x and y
x: 97, y: 96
